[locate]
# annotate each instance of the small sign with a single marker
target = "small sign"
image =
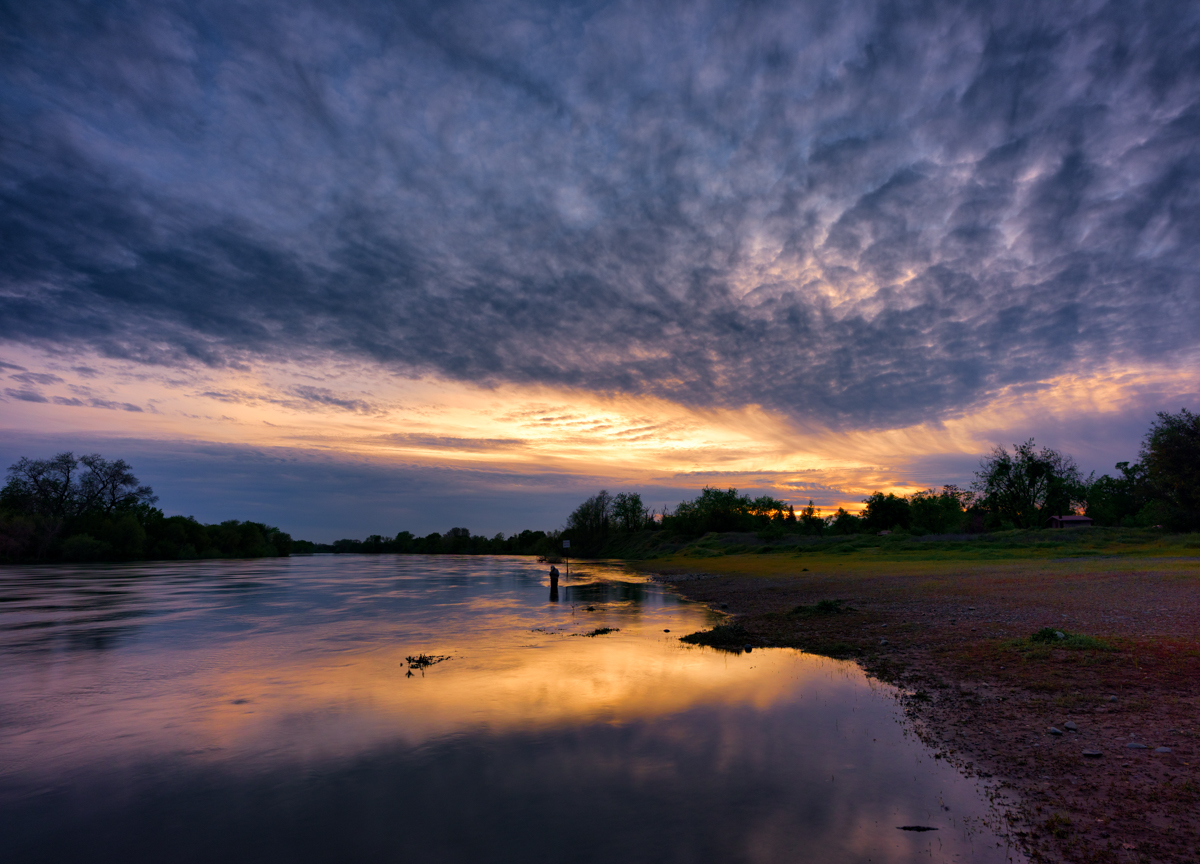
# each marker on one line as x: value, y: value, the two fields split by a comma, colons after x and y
x: 566, y: 544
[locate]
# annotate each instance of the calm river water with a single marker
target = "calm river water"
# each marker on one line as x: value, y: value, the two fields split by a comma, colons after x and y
x: 265, y: 711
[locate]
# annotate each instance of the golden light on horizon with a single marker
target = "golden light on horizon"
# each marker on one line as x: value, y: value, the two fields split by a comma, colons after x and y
x: 355, y: 411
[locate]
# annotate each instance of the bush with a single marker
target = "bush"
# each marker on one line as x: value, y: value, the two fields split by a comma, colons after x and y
x: 1071, y: 641
x: 85, y: 547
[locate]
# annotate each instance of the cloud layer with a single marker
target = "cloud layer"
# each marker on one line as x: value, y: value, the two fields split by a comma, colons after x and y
x: 870, y: 213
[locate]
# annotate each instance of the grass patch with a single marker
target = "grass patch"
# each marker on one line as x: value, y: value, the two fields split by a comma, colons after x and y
x: 822, y: 607
x: 728, y: 637
x: 1091, y: 543
x: 1058, y: 825
x: 836, y: 650
x: 1070, y: 641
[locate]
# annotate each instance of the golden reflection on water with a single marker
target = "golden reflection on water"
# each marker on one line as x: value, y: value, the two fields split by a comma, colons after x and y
x: 287, y: 684
x: 515, y: 663
x: 268, y: 698
x: 551, y: 681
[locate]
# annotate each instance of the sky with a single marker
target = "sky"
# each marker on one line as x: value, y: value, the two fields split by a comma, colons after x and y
x: 360, y: 267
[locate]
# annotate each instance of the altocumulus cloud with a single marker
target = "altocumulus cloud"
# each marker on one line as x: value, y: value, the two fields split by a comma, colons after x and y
x: 870, y: 212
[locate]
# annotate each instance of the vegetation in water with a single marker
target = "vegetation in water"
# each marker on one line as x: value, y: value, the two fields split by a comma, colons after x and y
x: 602, y: 631
x: 731, y: 637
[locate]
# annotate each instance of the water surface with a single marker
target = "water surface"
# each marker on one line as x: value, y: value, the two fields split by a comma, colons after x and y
x: 267, y: 711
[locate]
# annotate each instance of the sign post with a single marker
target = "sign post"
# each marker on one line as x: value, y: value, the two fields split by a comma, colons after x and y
x: 566, y: 557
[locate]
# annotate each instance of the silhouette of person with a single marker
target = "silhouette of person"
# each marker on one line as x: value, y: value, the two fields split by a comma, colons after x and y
x: 553, y: 584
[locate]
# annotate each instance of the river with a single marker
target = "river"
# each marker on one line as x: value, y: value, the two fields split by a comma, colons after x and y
x: 413, y: 708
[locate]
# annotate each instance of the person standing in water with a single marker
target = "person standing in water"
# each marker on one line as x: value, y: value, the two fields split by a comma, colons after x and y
x: 553, y: 584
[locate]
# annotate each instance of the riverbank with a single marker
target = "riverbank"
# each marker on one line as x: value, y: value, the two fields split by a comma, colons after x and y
x: 955, y: 634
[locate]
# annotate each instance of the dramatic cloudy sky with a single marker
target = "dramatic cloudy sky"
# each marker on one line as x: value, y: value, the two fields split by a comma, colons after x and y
x: 352, y: 267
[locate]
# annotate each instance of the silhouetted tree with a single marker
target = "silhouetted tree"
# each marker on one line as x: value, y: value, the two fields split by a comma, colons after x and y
x: 58, y: 489
x: 1024, y: 488
x: 628, y: 512
x: 589, y: 523
x: 810, y: 519
x: 939, y: 511
x: 1171, y: 457
x: 888, y: 512
x: 844, y: 522
x: 1119, y: 500
x: 53, y: 508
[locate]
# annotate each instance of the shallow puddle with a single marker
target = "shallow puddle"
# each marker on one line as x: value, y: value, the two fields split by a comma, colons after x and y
x: 440, y: 709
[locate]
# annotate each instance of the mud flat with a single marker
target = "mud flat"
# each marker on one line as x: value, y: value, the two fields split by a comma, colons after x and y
x: 1094, y: 730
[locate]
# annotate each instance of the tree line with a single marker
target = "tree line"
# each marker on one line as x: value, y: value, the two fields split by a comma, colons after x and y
x: 93, y: 509
x: 1021, y: 488
x: 456, y: 541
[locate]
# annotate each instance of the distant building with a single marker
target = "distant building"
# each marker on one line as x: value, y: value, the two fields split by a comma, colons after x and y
x: 1070, y: 521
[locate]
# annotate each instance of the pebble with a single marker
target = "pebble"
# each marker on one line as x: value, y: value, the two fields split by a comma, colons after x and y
x: 1112, y: 698
x: 1092, y: 753
x: 749, y: 648
x: 666, y: 631
x: 1135, y: 745
x: 1055, y: 731
x: 884, y: 642
x: 1162, y: 749
x: 1071, y: 725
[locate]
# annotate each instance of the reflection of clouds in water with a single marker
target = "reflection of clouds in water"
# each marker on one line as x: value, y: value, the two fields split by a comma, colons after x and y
x: 298, y: 705
x: 736, y: 782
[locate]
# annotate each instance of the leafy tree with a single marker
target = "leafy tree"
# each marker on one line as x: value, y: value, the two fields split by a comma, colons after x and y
x: 1171, y: 457
x: 844, y: 522
x: 810, y: 519
x: 717, y: 510
x: 43, y: 487
x: 1119, y: 500
x: 939, y: 511
x: 93, y: 509
x: 889, y: 512
x: 766, y: 510
x: 1024, y: 488
x: 628, y: 512
x: 589, y: 523
x: 58, y: 489
x: 457, y: 541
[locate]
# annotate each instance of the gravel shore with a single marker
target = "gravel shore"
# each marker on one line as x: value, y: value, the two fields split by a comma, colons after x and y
x: 1096, y: 733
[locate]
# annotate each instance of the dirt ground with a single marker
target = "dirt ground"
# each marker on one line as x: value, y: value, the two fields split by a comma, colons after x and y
x: 955, y: 637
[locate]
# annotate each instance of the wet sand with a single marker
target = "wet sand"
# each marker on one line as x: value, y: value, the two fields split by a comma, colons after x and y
x: 955, y: 637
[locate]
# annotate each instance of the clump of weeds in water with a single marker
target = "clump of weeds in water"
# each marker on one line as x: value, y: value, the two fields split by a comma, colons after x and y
x: 730, y: 637
x: 601, y: 631
x: 1071, y: 641
x: 822, y: 607
x: 421, y: 662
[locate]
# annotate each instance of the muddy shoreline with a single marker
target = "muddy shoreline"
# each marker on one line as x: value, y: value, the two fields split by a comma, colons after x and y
x: 985, y: 697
